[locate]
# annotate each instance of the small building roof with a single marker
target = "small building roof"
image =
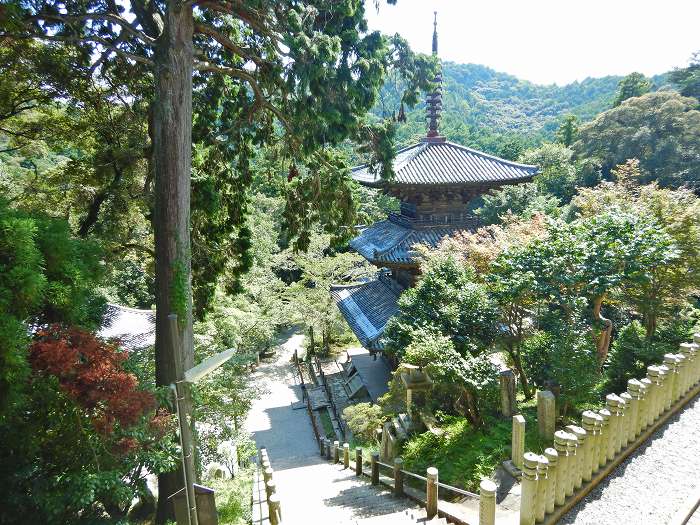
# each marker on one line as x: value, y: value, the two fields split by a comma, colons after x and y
x: 367, y: 307
x: 135, y: 329
x: 392, y: 241
x: 439, y: 162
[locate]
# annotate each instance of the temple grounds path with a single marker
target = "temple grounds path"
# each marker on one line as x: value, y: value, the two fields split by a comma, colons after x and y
x: 651, y: 484
x: 311, y: 490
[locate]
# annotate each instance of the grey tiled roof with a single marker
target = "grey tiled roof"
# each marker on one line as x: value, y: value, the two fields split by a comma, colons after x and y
x: 391, y: 242
x: 441, y: 162
x: 366, y: 307
x: 133, y: 328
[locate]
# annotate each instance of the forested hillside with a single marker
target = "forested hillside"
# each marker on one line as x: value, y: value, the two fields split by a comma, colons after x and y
x: 480, y: 105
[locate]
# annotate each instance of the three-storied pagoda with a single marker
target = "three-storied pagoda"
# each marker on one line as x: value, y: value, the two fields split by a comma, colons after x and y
x: 435, y: 180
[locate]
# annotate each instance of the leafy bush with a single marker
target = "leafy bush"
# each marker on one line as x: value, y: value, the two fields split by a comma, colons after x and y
x: 233, y: 497
x: 363, y: 419
x: 464, y: 454
x: 565, y: 356
x: 632, y: 351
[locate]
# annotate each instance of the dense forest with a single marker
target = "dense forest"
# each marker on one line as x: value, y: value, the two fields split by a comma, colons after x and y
x: 241, y: 226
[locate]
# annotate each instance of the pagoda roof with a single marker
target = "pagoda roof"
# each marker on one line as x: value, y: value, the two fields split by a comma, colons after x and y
x: 439, y: 162
x: 367, y: 307
x: 392, y: 241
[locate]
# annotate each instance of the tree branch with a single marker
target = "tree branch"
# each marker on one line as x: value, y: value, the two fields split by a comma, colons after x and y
x: 107, y: 17
x: 257, y: 91
x: 96, y: 39
x: 229, y: 44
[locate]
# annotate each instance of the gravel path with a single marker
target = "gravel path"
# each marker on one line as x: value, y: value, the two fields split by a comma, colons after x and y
x: 651, y: 484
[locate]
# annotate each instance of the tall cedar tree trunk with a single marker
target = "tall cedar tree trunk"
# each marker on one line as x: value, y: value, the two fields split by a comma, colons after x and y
x: 172, y: 156
x: 602, y: 342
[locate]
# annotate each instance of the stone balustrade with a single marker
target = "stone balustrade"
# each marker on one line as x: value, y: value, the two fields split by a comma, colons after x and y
x: 583, y: 455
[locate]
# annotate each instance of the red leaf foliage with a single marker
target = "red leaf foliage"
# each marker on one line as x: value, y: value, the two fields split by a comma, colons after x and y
x: 91, y: 372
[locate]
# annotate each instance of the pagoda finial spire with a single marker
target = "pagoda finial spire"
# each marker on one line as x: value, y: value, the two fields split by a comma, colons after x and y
x: 434, y: 99
x: 435, y: 47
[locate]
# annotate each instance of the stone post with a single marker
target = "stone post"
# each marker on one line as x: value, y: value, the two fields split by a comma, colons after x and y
x: 546, y: 414
x: 346, y: 455
x: 634, y: 391
x: 588, y: 421
x: 653, y: 376
x: 375, y: 468
x: 626, y: 418
x: 528, y: 489
x: 487, y: 502
x: 398, y: 477
x: 573, y: 474
x: 270, y: 488
x: 358, y: 461
x: 613, y: 427
x: 273, y: 505
x: 622, y: 424
x: 431, y: 492
x: 552, y: 473
x: 672, y: 362
x: 694, y: 359
x: 581, y: 439
x: 329, y: 450
x: 507, y: 381
x: 541, y: 493
x: 605, y: 437
x: 336, y: 452
x: 267, y: 474
x: 409, y: 402
x: 667, y: 375
x: 686, y: 350
x: 598, y: 442
x: 518, y: 441
x: 560, y: 482
x: 642, y: 405
x: 647, y: 398
x: 322, y: 447
x: 681, y: 361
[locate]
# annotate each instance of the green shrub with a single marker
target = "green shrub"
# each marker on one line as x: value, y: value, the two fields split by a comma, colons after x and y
x: 464, y: 454
x: 632, y: 351
x: 233, y: 497
x: 363, y: 419
x: 566, y: 356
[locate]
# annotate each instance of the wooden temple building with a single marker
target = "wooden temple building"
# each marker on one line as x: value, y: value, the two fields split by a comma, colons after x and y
x: 435, y: 180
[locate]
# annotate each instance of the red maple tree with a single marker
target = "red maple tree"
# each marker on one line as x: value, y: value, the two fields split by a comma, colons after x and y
x: 90, y: 371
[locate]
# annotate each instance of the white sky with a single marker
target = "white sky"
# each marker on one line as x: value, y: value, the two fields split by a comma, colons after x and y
x: 550, y: 41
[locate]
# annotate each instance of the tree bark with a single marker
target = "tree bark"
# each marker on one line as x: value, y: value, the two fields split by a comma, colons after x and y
x: 172, y: 159
x: 603, y: 340
x: 518, y: 363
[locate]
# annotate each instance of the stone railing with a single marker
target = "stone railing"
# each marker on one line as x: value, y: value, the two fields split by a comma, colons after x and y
x: 584, y: 455
x: 396, y: 475
x: 274, y: 510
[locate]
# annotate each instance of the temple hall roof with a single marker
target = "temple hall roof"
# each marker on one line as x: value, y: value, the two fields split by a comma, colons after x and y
x: 438, y: 162
x: 392, y: 241
x: 367, y: 307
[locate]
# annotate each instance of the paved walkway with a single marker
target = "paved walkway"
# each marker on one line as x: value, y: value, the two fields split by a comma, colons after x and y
x: 310, y: 489
x: 651, y: 484
x: 373, y: 371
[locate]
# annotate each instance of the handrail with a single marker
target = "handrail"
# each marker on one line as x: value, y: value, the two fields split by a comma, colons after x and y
x: 307, y: 398
x: 417, y: 476
x: 457, y: 490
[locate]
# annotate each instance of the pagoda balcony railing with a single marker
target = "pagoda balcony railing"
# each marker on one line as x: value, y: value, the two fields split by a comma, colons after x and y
x: 466, y: 220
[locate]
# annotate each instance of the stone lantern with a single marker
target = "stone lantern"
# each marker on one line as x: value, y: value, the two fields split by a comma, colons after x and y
x: 415, y: 379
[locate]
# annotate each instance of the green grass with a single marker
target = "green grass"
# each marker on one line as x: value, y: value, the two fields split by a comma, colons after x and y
x: 327, y: 424
x: 233, y: 497
x: 463, y: 454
